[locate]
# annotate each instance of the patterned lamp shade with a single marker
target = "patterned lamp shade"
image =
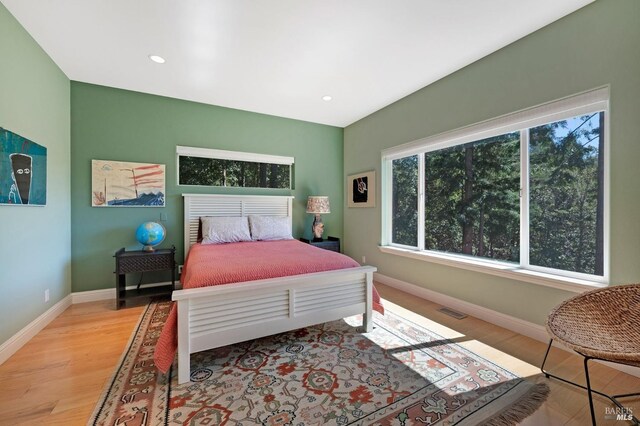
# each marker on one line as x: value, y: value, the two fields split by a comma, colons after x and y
x: 318, y: 204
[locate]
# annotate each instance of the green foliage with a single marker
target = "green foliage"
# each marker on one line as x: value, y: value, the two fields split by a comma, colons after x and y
x: 472, y: 201
x: 479, y: 199
x: 405, y: 201
x: 216, y: 172
x: 564, y: 194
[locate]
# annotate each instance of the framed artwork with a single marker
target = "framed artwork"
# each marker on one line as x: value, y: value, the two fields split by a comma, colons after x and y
x: 126, y: 184
x: 361, y: 190
x: 23, y: 171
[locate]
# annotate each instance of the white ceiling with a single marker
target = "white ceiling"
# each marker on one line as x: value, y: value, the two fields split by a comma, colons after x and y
x: 279, y: 57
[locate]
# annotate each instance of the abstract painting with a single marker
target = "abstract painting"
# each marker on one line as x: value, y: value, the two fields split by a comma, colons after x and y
x: 126, y: 184
x: 23, y: 171
x: 361, y: 190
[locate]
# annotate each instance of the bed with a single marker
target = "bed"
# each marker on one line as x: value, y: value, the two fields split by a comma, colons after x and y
x: 208, y: 317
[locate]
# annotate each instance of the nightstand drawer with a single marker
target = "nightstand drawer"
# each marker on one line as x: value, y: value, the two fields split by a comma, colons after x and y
x: 332, y: 243
x: 328, y: 245
x: 149, y: 262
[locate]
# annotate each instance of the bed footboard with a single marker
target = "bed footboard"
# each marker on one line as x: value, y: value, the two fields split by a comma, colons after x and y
x: 221, y: 315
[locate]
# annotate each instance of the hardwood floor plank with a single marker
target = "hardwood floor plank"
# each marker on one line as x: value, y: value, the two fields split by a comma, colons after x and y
x: 29, y: 414
x: 57, y: 377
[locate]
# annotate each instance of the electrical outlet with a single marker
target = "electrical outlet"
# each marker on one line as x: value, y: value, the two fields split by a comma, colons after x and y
x: 364, y: 259
x: 180, y: 269
x: 46, y: 295
x: 163, y: 217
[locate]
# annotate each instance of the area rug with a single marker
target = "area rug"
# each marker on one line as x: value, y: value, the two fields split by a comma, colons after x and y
x: 330, y: 374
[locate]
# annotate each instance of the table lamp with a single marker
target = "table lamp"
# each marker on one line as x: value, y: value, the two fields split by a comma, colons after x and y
x: 318, y: 205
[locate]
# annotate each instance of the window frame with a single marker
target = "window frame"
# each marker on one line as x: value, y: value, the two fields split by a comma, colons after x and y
x: 565, y: 108
x: 219, y: 154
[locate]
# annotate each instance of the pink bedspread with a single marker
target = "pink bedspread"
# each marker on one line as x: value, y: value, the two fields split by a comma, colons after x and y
x: 217, y: 264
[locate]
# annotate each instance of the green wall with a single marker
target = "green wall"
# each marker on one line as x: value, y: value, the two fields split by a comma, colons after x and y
x: 113, y: 124
x: 595, y: 46
x: 35, y: 246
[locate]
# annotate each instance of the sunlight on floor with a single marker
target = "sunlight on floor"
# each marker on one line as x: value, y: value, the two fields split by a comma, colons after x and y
x: 516, y: 365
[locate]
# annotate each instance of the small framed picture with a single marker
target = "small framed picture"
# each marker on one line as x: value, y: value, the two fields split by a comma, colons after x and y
x: 361, y: 189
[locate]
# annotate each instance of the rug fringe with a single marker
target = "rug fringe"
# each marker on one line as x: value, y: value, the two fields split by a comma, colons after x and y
x: 522, y: 408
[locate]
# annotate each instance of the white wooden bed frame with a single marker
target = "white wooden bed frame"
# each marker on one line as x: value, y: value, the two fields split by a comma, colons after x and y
x: 220, y: 315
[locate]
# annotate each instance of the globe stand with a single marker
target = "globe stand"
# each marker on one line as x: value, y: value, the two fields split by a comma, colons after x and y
x: 148, y: 249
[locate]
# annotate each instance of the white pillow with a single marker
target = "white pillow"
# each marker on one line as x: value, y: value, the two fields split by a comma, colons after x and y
x: 270, y: 228
x: 218, y: 230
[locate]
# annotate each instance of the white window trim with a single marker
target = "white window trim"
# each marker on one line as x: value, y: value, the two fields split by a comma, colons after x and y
x: 594, y: 100
x: 586, y: 102
x: 496, y: 268
x: 219, y: 154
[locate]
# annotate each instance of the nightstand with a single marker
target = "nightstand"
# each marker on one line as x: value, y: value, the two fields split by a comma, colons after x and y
x: 331, y: 243
x: 143, y: 261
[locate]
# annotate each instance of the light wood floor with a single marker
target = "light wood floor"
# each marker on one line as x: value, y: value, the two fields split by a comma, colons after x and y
x: 57, y: 377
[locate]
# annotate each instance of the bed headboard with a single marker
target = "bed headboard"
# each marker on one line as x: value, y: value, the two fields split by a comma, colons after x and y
x: 196, y: 205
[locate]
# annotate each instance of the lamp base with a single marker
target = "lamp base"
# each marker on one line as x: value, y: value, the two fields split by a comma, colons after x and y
x: 317, y: 228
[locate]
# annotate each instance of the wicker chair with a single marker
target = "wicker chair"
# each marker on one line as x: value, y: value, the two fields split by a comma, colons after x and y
x: 602, y: 324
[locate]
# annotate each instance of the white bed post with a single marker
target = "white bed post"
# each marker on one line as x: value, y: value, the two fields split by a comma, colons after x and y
x: 367, y: 320
x: 184, y: 346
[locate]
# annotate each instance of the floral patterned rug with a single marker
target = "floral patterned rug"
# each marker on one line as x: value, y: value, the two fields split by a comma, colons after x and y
x: 330, y: 374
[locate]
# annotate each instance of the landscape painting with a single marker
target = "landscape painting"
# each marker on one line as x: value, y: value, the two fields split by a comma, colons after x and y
x: 126, y: 184
x: 23, y: 171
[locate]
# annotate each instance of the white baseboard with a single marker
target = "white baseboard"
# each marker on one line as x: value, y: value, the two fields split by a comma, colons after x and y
x: 520, y: 326
x: 19, y: 339
x: 93, y: 295
x: 526, y: 328
x: 108, y: 293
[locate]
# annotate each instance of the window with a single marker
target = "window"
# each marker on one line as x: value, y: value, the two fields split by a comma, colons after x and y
x: 405, y: 201
x: 472, y: 198
x: 211, y: 167
x: 527, y: 190
x: 566, y: 194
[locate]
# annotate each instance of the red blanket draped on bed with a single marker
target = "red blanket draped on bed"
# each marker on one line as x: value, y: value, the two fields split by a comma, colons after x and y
x: 217, y: 264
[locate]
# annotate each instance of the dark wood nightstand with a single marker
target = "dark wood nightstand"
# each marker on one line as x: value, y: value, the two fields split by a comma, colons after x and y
x: 331, y: 243
x: 143, y: 261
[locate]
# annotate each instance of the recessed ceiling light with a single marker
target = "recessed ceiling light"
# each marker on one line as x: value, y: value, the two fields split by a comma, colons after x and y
x: 157, y: 59
x: 326, y: 98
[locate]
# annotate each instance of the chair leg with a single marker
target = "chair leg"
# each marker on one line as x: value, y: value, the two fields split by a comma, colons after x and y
x: 590, y: 392
x: 626, y: 395
x: 586, y: 374
x: 546, y: 354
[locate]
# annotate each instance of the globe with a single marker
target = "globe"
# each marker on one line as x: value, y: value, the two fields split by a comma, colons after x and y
x: 150, y: 234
